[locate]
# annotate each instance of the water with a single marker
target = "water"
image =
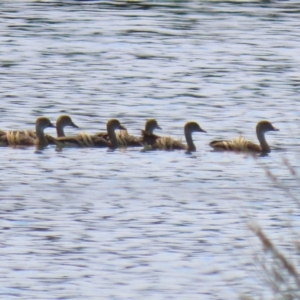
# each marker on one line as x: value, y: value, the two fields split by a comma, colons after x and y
x: 96, y: 224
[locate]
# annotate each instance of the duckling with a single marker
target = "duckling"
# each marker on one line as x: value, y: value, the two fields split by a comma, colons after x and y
x: 28, y: 138
x: 240, y: 144
x: 148, y: 137
x: 168, y: 143
x: 86, y: 140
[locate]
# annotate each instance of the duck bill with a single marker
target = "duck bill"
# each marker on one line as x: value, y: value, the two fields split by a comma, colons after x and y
x: 275, y: 129
x: 74, y: 125
x: 202, y: 130
x: 157, y: 127
x: 51, y: 125
x: 122, y: 127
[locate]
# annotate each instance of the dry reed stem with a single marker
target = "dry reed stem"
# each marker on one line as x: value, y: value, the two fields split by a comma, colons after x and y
x: 281, y: 272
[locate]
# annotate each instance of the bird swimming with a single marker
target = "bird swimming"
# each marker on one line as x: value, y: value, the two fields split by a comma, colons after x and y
x: 240, y: 144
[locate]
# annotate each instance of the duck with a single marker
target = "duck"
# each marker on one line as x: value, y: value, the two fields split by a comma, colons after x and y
x: 168, y: 143
x: 27, y: 138
x: 240, y: 144
x: 148, y: 137
x: 124, y: 139
x: 96, y: 140
x: 63, y: 121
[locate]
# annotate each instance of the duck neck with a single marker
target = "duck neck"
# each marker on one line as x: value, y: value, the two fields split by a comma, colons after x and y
x: 112, y: 137
x: 148, y: 130
x: 189, y: 140
x: 60, y: 131
x: 41, y: 140
x: 262, y: 141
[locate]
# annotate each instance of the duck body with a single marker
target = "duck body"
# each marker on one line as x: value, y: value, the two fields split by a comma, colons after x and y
x: 147, y: 135
x: 82, y: 140
x: 149, y: 138
x: 27, y: 138
x: 3, y: 139
x: 240, y: 144
x: 124, y: 139
x: 97, y: 140
x: 16, y: 137
x: 24, y: 137
x: 168, y: 143
x: 127, y: 140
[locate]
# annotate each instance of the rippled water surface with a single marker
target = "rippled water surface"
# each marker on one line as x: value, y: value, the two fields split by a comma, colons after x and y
x: 127, y: 224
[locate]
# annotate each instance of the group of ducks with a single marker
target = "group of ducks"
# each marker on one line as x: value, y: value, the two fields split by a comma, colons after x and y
x: 122, y: 138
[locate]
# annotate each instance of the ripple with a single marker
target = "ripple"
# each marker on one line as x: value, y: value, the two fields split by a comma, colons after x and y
x: 129, y: 224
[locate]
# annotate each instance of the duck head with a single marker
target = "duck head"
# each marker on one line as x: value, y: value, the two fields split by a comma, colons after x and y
x: 43, y: 123
x: 151, y: 125
x: 65, y: 120
x: 265, y: 126
x: 193, y: 127
x: 114, y: 124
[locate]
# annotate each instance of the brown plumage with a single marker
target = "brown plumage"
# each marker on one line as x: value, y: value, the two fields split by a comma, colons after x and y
x: 86, y: 140
x: 3, y: 138
x: 27, y: 138
x: 240, y: 144
x: 61, y: 122
x: 15, y: 137
x: 148, y: 137
x: 81, y: 140
x: 168, y: 143
x: 124, y: 139
x: 127, y: 140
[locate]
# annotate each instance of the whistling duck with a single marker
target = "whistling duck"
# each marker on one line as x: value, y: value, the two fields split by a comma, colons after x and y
x: 240, y: 144
x: 168, y: 143
x: 62, y: 122
x: 124, y: 139
x: 27, y: 138
x: 148, y: 137
x: 86, y: 140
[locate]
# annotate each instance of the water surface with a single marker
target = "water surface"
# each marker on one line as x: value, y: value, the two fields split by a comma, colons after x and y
x: 127, y: 224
